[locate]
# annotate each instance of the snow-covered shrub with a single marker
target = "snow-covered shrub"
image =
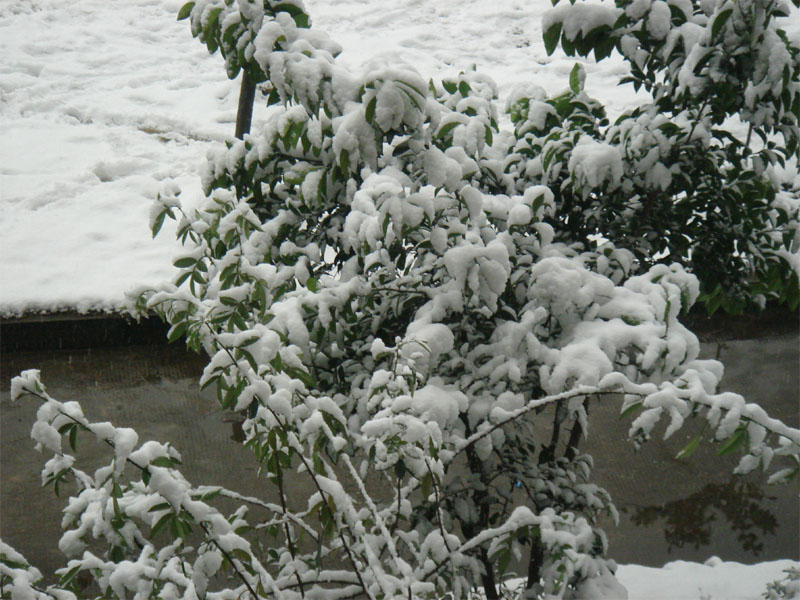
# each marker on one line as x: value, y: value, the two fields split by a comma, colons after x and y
x: 704, y: 173
x: 400, y: 318
x: 788, y: 587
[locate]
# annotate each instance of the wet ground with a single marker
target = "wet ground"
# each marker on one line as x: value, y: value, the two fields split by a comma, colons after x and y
x: 670, y: 509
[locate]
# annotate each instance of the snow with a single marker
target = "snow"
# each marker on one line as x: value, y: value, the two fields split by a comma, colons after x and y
x: 715, y: 580
x: 683, y: 580
x: 117, y: 101
x: 118, y: 97
x: 595, y: 163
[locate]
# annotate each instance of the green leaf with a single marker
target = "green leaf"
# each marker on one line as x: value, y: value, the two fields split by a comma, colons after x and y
x: 186, y: 261
x: 568, y: 45
x: 464, y: 89
x: 631, y: 409
x: 211, y: 495
x: 719, y: 22
x: 161, y: 524
x: 157, y: 224
x: 67, y: 577
x: 551, y: 37
x: 604, y: 47
x: 576, y: 78
x: 370, y: 112
x: 689, y: 448
x: 450, y: 87
x: 182, y: 527
x: 185, y: 11
x: 12, y: 563
x: 241, y: 554
x: 163, y: 461
x: 300, y: 374
x: 274, y: 97
x: 415, y: 89
x: 73, y: 438
x: 249, y: 358
x: 312, y: 284
x: 445, y: 129
x: 319, y: 469
x: 210, y: 29
x: 300, y: 18
x: 177, y: 331
x: 733, y: 442
x: 183, y: 278
x: 714, y: 300
x: 792, y: 292
x: 160, y: 506
x: 249, y: 341
x: 197, y: 277
x: 503, y: 559
x: 488, y: 137
x: 425, y: 485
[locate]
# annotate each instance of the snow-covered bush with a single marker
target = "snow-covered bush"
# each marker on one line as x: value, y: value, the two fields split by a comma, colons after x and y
x: 788, y: 587
x: 705, y: 172
x: 401, y: 316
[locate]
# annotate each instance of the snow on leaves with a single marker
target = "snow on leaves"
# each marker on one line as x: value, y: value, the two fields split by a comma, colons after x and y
x: 385, y: 285
x: 415, y: 285
x: 704, y: 159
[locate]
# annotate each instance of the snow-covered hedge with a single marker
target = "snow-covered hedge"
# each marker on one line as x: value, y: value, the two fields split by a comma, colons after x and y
x: 706, y: 170
x: 385, y: 281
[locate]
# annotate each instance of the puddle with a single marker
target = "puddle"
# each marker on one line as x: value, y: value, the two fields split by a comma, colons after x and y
x: 669, y: 509
x: 740, y: 506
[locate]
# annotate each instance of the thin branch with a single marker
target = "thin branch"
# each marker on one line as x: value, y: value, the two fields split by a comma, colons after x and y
x: 297, y: 519
x: 322, y: 495
x: 233, y: 562
x: 442, y: 532
x: 286, y: 529
x: 111, y: 443
x: 532, y: 405
x: 302, y: 458
x: 379, y: 521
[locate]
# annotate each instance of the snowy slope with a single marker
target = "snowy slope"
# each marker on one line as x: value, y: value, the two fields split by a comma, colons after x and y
x: 102, y: 101
x: 714, y: 580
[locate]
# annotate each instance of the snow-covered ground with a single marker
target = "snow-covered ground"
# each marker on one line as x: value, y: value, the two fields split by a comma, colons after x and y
x: 714, y: 580
x: 103, y: 100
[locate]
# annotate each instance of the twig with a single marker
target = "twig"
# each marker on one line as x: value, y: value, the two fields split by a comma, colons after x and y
x: 532, y: 405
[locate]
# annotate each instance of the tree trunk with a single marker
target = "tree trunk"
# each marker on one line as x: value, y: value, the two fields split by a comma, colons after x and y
x: 536, y: 560
x: 575, y: 435
x: 487, y: 578
x: 244, y: 115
